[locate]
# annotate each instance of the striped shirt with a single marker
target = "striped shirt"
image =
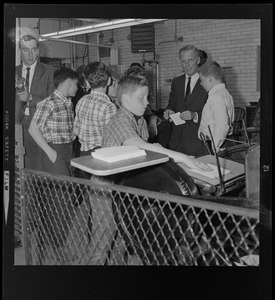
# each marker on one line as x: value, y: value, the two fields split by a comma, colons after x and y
x: 55, y: 117
x: 124, y: 126
x: 92, y: 113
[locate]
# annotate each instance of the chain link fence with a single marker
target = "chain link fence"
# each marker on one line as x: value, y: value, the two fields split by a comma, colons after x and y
x: 71, y: 221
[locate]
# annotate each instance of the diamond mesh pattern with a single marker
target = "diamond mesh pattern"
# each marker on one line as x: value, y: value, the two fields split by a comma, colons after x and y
x: 69, y: 221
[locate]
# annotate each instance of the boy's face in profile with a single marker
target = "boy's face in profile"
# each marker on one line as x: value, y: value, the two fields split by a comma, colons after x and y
x: 206, y: 82
x: 137, y: 101
x: 72, y: 87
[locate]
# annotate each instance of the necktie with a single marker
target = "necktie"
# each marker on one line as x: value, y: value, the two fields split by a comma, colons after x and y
x: 187, y: 93
x: 28, y: 79
x: 27, y: 83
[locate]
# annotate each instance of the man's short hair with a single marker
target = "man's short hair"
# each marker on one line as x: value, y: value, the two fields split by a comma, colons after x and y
x: 212, y: 68
x: 97, y: 74
x: 203, y: 57
x: 26, y: 38
x: 129, y: 84
x: 190, y: 47
x: 136, y: 71
x: 62, y: 74
x: 114, y: 73
x: 81, y: 76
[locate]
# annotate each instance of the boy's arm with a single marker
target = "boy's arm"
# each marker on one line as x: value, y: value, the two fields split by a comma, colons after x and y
x: 34, y: 131
x: 221, y: 122
x: 176, y: 156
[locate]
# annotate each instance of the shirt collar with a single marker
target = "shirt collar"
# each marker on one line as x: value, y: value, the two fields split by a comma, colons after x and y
x: 130, y: 114
x: 97, y: 93
x: 32, y: 67
x: 61, y: 96
x: 217, y: 87
x: 193, y: 77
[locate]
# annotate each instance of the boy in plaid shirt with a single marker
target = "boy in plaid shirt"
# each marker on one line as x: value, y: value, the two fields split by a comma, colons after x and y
x: 93, y: 111
x: 52, y: 124
x: 52, y: 130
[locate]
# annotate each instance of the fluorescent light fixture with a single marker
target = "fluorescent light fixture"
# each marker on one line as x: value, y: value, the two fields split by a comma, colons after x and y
x: 98, y: 27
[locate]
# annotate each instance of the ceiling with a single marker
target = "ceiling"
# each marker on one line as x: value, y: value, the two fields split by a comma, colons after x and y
x: 79, y: 21
x: 77, y: 26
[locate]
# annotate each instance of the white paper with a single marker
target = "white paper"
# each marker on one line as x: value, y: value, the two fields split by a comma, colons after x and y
x: 118, y: 153
x: 212, y: 174
x: 176, y: 119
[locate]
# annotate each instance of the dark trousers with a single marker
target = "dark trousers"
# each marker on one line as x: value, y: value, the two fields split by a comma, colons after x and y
x: 57, y: 209
x: 62, y: 163
x: 33, y: 152
x: 164, y: 132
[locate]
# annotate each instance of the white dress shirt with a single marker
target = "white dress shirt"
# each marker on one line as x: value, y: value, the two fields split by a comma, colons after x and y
x: 218, y: 113
x: 194, y: 79
x: 24, y: 73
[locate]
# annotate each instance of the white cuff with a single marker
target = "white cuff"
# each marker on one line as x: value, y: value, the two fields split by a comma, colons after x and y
x: 196, y: 118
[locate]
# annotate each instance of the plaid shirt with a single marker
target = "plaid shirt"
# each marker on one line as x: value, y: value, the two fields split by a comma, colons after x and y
x: 55, y: 116
x: 124, y: 126
x: 92, y: 113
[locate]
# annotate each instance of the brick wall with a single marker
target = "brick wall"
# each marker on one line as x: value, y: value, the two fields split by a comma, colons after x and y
x: 232, y: 43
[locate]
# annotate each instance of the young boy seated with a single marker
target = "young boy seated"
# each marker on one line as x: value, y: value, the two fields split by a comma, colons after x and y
x: 128, y: 126
x: 152, y: 120
x: 218, y: 112
x: 52, y: 124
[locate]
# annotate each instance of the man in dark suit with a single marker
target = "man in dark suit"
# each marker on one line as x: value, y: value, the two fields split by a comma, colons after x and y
x: 188, y: 99
x: 39, y: 84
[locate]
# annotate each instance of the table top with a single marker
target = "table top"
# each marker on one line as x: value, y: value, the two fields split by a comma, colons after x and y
x: 100, y: 168
x: 236, y: 170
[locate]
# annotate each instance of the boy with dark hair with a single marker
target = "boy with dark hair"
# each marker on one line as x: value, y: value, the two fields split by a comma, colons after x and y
x: 52, y: 130
x: 52, y: 124
x: 93, y: 111
x: 218, y: 112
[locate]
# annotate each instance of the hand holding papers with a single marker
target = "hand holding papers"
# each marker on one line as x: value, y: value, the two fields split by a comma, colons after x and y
x: 176, y: 119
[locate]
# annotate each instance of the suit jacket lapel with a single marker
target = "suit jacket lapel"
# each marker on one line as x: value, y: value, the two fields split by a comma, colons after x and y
x: 36, y: 75
x: 194, y: 92
x: 182, y: 93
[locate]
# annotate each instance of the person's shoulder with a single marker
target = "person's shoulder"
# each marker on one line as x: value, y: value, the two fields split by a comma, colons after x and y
x: 178, y: 78
x: 45, y: 67
x: 48, y: 101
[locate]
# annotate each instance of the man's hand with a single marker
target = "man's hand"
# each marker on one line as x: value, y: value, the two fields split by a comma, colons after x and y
x: 187, y: 115
x: 167, y: 114
x: 23, y: 96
